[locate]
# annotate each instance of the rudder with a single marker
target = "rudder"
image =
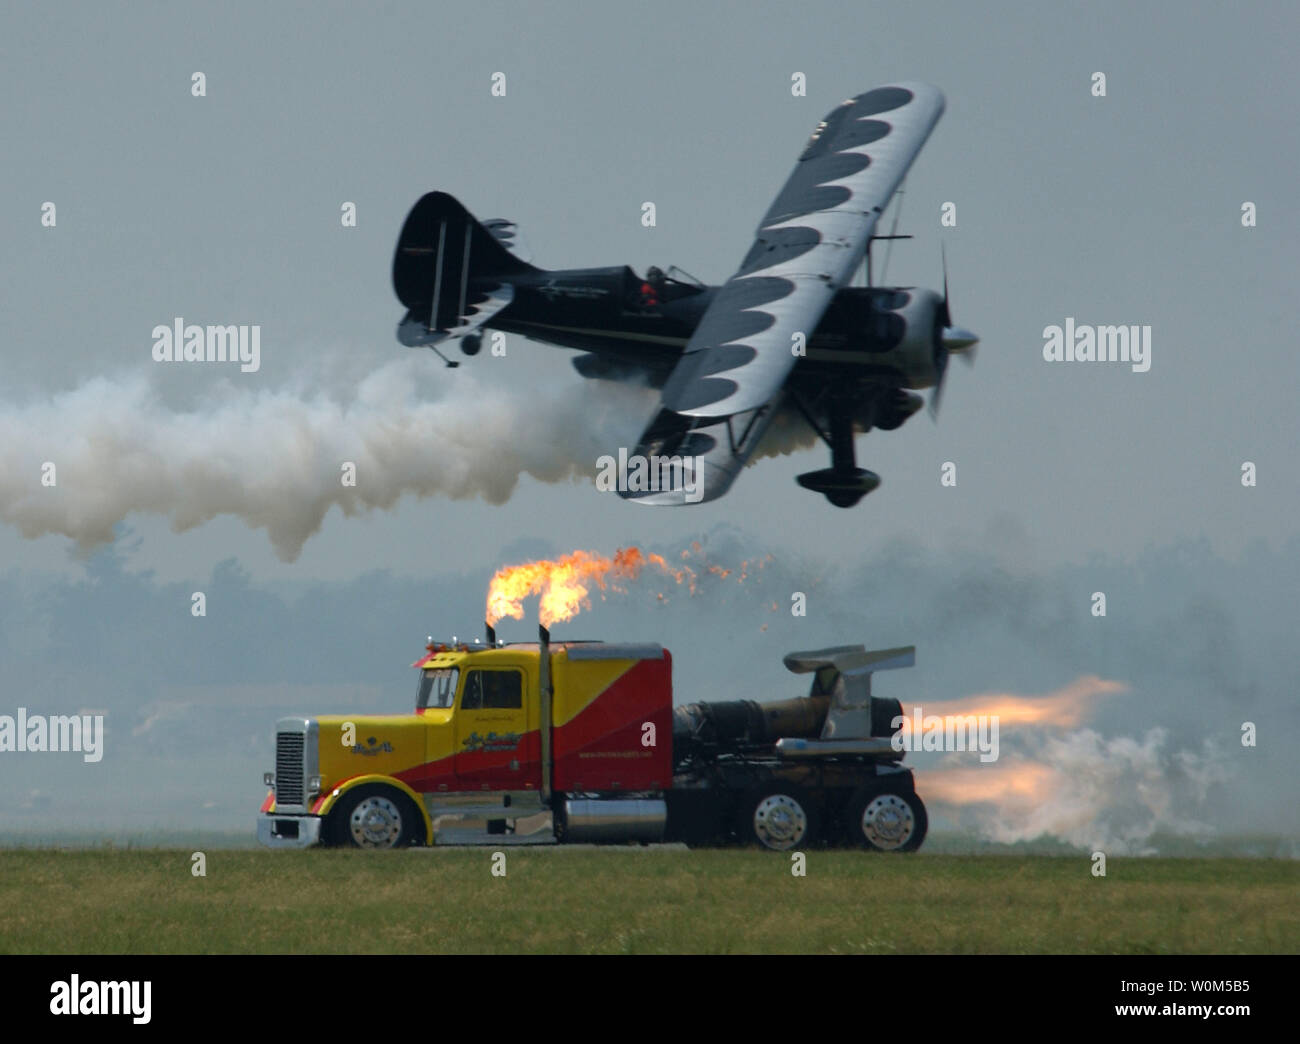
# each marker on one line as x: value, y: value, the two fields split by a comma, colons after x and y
x: 441, y: 250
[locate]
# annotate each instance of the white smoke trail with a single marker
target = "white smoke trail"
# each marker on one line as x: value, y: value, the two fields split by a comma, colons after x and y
x: 275, y: 458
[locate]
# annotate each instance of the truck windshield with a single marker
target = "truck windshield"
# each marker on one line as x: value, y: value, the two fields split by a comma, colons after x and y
x: 437, y: 687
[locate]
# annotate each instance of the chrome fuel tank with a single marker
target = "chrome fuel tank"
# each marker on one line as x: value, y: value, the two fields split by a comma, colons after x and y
x: 614, y: 819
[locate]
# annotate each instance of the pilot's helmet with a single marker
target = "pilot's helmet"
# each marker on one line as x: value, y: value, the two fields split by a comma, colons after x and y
x: 654, y: 274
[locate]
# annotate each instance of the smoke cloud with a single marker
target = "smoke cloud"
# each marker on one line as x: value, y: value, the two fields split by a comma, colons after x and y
x: 1074, y: 784
x: 788, y: 433
x: 84, y: 460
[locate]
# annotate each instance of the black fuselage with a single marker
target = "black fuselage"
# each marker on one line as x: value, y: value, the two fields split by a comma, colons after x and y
x: 606, y: 312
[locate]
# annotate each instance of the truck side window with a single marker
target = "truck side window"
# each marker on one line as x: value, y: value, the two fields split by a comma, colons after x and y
x: 503, y: 690
x: 473, y: 698
x: 493, y: 690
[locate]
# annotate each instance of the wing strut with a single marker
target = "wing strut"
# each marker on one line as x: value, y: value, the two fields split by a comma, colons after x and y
x: 797, y: 399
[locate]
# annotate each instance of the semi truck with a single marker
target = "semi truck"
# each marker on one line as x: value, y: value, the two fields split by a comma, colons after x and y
x: 587, y: 732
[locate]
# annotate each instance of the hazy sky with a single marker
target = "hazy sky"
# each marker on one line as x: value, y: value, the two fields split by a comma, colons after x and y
x: 1072, y: 477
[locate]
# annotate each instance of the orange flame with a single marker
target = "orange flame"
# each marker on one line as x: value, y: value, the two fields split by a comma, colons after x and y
x: 1014, y: 786
x: 563, y: 585
x: 1019, y: 785
x: 1063, y: 708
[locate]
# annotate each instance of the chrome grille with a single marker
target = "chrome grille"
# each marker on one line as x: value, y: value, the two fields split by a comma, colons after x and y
x: 289, y: 768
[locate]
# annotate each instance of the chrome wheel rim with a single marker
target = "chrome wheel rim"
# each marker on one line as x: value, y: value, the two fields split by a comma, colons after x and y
x: 376, y: 823
x: 780, y: 822
x: 888, y: 822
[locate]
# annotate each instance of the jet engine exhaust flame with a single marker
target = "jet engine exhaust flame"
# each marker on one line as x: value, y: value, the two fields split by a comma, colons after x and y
x: 1063, y: 780
x: 1064, y: 708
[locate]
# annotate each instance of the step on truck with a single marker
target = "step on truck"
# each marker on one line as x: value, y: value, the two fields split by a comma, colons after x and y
x: 587, y: 732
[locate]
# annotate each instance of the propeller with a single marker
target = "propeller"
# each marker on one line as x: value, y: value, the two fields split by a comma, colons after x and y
x: 949, y: 339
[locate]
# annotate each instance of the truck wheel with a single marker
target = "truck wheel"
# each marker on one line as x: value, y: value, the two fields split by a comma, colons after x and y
x: 376, y: 817
x: 888, y: 821
x: 781, y: 819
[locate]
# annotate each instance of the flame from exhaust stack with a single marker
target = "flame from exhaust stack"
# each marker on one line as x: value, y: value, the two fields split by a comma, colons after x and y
x: 563, y: 585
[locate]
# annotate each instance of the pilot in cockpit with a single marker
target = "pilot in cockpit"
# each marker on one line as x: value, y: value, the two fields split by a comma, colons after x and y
x: 652, y: 288
x: 660, y: 288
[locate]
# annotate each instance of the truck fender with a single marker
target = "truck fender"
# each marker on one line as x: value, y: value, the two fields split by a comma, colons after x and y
x: 324, y: 805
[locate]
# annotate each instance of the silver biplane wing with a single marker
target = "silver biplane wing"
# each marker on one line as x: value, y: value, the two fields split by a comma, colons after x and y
x: 730, y: 380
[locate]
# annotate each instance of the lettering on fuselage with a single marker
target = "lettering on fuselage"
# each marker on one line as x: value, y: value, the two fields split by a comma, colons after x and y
x: 551, y: 290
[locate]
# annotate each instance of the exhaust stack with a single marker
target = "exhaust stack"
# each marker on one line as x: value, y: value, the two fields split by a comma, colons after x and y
x: 491, y: 635
x: 544, y: 685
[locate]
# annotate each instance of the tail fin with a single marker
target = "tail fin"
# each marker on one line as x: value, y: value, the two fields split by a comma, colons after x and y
x: 441, y: 249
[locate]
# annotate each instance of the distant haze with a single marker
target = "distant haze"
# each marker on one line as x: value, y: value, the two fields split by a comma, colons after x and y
x: 1072, y: 478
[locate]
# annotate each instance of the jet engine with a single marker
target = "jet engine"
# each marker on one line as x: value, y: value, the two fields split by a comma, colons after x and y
x: 747, y: 724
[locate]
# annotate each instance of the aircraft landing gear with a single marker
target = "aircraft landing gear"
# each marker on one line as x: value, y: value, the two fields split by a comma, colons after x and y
x: 843, y: 483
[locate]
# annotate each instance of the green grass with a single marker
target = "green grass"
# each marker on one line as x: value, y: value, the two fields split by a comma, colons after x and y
x: 639, y: 901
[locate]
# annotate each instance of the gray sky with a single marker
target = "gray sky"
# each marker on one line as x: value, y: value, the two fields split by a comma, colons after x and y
x: 1071, y: 477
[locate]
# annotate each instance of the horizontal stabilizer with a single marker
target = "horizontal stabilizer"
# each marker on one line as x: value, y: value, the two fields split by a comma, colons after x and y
x: 507, y: 234
x: 414, y: 331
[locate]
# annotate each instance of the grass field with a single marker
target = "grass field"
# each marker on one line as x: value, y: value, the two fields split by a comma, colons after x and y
x: 633, y: 900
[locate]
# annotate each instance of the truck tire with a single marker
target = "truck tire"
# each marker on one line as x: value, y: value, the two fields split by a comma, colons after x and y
x: 887, y: 820
x: 779, y: 818
x: 376, y: 817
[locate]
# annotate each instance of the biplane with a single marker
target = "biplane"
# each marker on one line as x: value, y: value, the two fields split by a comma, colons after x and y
x: 789, y: 330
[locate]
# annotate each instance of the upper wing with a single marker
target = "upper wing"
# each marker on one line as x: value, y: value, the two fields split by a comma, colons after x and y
x: 808, y: 245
